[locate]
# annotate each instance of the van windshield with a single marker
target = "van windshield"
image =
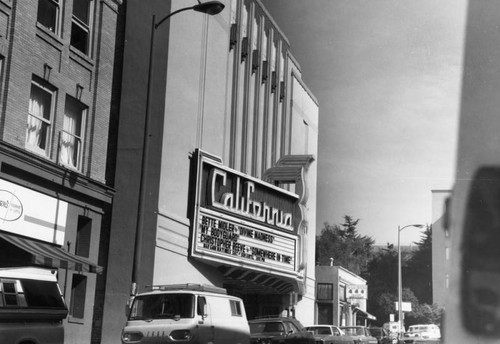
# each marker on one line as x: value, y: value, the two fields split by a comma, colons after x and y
x: 162, y: 306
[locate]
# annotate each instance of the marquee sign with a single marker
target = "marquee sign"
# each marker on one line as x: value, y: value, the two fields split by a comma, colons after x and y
x: 240, y: 219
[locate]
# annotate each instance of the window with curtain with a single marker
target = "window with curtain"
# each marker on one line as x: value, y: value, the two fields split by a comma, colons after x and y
x: 39, y: 119
x: 71, y: 141
x: 48, y: 14
x: 81, y: 25
x: 324, y: 291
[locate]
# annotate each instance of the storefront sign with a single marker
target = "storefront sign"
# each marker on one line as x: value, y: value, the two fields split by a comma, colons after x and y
x: 242, y: 220
x: 359, y: 291
x: 31, y: 214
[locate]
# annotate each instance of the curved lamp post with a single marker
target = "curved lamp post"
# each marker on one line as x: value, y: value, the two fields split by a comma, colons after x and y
x: 400, y: 287
x: 211, y: 8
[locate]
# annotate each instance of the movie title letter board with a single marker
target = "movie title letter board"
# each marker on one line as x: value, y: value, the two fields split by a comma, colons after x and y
x: 243, y: 220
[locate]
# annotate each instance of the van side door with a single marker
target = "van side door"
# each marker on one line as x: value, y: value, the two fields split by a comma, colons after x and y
x: 206, y: 331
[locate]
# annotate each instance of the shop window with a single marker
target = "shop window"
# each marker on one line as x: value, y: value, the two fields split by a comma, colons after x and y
x: 81, y: 25
x: 325, y: 314
x: 235, y: 308
x: 324, y: 291
x: 78, y: 292
x: 71, y: 138
x: 40, y: 116
x: 48, y: 14
x: 83, y: 234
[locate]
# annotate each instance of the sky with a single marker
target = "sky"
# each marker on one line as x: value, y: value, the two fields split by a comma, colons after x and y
x: 387, y: 77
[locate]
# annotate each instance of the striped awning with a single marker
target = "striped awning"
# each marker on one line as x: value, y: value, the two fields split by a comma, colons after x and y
x: 50, y: 255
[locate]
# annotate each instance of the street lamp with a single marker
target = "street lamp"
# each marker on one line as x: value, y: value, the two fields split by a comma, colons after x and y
x: 211, y: 8
x: 400, y: 287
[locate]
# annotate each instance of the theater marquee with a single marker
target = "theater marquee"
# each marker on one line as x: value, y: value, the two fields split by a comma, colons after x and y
x: 242, y: 221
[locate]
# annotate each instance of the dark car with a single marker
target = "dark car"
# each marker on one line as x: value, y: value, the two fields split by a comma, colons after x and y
x: 279, y: 331
x: 360, y: 334
x: 383, y: 337
x: 329, y: 334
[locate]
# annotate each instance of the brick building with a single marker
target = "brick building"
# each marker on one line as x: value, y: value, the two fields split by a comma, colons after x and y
x: 57, y: 66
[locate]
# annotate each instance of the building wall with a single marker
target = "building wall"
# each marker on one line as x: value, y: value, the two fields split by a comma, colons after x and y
x: 210, y: 93
x: 30, y: 50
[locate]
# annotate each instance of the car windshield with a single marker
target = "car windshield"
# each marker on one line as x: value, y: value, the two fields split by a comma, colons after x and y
x: 264, y: 327
x: 353, y: 331
x: 319, y: 330
x: 162, y: 306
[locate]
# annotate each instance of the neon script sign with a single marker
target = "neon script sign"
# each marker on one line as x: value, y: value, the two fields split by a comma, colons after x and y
x: 241, y: 201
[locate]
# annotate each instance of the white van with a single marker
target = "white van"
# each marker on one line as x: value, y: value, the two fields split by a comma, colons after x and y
x: 31, y: 306
x: 187, y: 313
x: 424, y: 331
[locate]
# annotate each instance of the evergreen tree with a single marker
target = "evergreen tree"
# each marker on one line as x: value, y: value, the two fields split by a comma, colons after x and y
x: 345, y: 246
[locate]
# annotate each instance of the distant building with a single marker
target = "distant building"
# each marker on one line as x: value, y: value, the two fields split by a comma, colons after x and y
x: 440, y: 247
x: 341, y: 297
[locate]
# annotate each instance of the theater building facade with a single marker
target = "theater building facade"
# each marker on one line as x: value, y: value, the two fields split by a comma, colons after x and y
x: 227, y: 189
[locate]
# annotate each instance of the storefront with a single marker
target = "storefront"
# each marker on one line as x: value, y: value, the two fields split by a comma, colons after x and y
x: 341, y: 297
x: 55, y: 220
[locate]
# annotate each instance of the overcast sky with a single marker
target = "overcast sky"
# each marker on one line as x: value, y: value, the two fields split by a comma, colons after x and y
x: 387, y: 76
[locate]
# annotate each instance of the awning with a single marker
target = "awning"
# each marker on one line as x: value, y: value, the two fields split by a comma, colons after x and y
x: 50, y: 255
x: 365, y: 314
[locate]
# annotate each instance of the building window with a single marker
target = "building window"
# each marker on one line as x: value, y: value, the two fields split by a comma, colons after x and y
x: 78, y: 291
x: 324, y: 291
x: 81, y: 25
x: 41, y: 108
x: 48, y: 14
x: 71, y: 139
x: 83, y: 234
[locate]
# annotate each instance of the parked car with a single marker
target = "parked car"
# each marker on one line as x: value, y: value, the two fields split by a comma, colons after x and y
x: 360, y: 334
x: 329, y: 334
x: 382, y: 335
x: 424, y: 331
x: 279, y: 330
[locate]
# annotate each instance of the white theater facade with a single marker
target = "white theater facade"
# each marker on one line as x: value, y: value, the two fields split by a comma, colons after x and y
x: 229, y: 183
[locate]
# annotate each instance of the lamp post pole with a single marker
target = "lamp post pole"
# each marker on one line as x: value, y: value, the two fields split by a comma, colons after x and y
x: 400, y: 280
x: 211, y: 8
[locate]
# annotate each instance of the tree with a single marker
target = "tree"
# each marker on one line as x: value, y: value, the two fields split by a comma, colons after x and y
x: 344, y: 245
x: 424, y: 314
x: 382, y: 280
